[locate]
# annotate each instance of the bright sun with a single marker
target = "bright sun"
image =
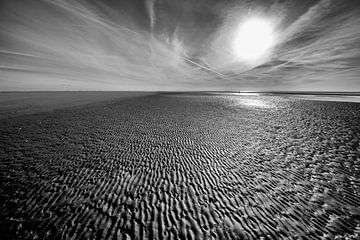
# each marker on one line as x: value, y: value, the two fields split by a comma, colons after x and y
x: 253, y: 40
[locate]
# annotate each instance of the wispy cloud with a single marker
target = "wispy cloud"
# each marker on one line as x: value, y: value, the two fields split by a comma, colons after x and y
x: 184, y: 45
x: 72, y: 41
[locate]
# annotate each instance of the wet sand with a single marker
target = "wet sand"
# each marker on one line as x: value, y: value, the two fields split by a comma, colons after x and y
x: 19, y: 103
x: 183, y: 166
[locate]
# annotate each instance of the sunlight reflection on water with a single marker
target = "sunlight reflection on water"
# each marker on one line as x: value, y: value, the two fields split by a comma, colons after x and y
x: 254, y: 103
x: 244, y: 94
x: 252, y: 100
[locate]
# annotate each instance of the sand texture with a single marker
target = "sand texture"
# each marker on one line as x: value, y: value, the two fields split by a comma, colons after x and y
x: 183, y: 166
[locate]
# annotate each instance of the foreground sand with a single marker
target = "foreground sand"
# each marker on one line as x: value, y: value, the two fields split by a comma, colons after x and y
x: 183, y: 167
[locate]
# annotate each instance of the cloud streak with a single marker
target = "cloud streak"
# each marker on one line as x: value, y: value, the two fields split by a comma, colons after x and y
x: 72, y: 43
x: 151, y: 12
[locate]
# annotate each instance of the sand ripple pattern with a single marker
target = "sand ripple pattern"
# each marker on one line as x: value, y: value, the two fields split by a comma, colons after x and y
x: 183, y: 167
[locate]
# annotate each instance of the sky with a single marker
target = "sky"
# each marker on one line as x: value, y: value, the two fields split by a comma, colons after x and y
x: 177, y: 45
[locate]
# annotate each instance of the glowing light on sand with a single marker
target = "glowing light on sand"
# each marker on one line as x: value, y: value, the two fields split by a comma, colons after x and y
x: 253, y: 39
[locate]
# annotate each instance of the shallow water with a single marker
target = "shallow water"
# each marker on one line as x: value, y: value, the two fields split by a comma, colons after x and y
x: 335, y: 98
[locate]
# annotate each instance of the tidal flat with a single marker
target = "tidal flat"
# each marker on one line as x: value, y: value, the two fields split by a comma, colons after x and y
x: 182, y: 166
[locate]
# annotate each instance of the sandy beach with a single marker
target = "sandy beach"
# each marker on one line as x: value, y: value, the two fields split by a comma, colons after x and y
x: 182, y: 166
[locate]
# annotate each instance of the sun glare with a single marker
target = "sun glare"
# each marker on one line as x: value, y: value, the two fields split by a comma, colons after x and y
x: 253, y: 39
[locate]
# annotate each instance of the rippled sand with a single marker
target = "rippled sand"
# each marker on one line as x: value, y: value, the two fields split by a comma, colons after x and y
x: 183, y: 167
